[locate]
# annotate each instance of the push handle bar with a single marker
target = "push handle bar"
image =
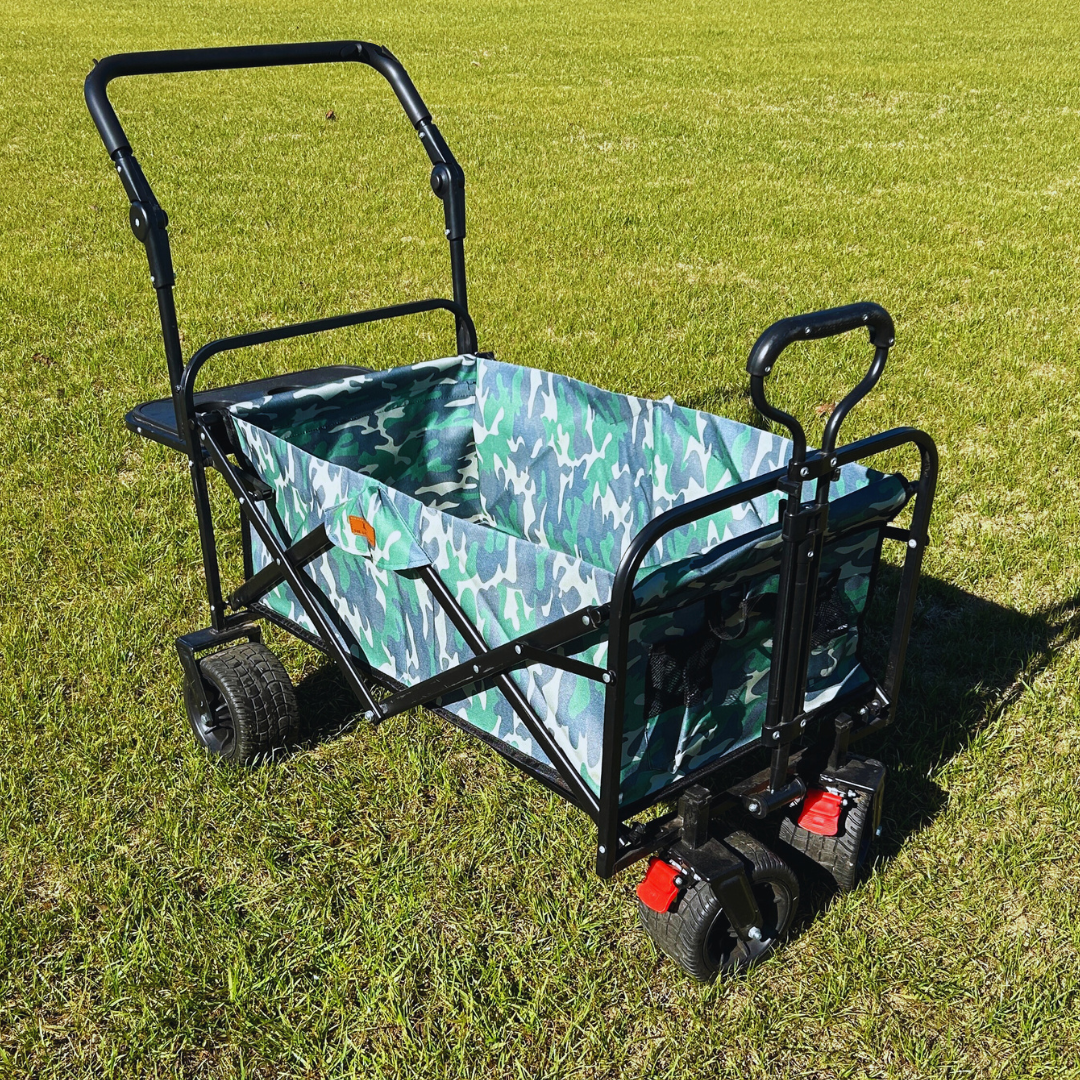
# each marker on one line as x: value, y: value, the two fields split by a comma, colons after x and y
x: 447, y: 178
x: 819, y: 324
x: 245, y: 56
x: 149, y: 222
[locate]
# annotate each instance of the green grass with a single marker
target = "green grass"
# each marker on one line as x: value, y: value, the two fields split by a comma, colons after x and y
x: 650, y: 185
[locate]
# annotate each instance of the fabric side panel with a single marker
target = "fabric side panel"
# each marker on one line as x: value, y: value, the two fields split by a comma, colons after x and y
x: 507, y: 587
x: 410, y: 427
x: 698, y: 673
x: 562, y: 464
x: 375, y: 608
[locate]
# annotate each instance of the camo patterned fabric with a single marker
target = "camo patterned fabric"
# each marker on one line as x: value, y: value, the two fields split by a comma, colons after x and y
x: 522, y: 489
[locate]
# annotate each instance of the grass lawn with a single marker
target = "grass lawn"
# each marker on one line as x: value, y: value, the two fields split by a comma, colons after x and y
x: 650, y: 185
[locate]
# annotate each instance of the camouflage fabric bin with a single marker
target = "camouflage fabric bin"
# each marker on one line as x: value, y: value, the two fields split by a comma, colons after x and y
x: 522, y: 489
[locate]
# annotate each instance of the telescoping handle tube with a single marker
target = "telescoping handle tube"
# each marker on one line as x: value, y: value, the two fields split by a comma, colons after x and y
x: 820, y: 324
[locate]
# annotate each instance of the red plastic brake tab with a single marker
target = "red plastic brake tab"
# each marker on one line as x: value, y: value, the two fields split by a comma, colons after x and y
x: 821, y: 813
x: 657, y: 889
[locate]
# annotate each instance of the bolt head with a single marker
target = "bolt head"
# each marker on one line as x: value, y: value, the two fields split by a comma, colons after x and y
x: 776, y: 734
x: 603, y: 850
x: 754, y: 933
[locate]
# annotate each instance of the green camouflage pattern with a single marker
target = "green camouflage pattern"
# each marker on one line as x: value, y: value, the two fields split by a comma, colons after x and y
x: 522, y: 489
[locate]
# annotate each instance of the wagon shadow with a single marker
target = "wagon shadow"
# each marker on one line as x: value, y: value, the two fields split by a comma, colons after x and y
x: 967, y: 661
x: 327, y: 707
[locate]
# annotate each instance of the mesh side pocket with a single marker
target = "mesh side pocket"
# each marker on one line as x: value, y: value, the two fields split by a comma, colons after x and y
x: 830, y: 618
x: 679, y: 673
x: 663, y: 685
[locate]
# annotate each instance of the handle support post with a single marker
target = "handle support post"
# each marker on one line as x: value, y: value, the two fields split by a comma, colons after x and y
x: 804, y: 524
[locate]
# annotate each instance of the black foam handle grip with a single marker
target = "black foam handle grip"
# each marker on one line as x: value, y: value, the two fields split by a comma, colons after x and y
x: 820, y: 324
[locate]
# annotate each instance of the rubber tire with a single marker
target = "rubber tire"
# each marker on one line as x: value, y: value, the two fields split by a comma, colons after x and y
x: 845, y: 856
x: 253, y: 712
x: 696, y: 934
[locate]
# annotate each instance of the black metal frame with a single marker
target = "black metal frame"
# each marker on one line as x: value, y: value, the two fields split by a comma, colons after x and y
x: 206, y: 440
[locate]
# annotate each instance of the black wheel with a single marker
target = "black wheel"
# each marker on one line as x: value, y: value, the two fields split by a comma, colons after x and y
x: 843, y: 857
x: 250, y: 710
x: 696, y: 933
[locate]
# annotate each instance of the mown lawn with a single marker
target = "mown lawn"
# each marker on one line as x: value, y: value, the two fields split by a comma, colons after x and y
x: 650, y: 185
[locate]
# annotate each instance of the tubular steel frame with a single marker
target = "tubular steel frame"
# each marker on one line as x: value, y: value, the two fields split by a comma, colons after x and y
x: 804, y: 524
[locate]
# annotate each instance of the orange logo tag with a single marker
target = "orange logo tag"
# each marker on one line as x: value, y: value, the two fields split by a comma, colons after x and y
x: 362, y: 527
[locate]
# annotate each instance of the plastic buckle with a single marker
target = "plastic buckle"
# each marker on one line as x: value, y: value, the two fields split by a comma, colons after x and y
x: 658, y: 889
x: 820, y: 813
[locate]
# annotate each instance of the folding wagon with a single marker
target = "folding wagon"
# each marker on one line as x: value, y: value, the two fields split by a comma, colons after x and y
x: 655, y: 612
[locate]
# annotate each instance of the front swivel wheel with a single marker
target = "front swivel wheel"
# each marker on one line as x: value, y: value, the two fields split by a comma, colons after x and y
x: 845, y: 855
x: 698, y: 936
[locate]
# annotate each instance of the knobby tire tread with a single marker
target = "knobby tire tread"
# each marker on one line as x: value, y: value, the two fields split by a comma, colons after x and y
x: 837, y: 855
x: 681, y: 932
x: 260, y: 697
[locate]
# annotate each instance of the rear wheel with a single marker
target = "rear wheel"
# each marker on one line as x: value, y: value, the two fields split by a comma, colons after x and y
x: 249, y: 711
x: 698, y: 936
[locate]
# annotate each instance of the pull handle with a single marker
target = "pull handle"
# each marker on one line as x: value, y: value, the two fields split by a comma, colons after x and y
x: 448, y: 180
x: 830, y: 322
x: 149, y: 222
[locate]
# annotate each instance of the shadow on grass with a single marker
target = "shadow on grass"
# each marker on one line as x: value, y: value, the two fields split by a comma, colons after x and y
x: 967, y: 660
x: 328, y: 708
